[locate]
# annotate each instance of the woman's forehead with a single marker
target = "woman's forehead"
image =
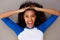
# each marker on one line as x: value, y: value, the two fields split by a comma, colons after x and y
x: 29, y: 12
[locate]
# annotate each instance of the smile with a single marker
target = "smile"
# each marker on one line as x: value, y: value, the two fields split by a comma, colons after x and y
x: 30, y: 23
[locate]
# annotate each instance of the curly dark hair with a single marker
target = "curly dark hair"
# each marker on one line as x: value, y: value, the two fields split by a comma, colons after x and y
x: 41, y: 17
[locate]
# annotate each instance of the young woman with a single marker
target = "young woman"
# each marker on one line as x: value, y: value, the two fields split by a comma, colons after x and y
x: 29, y: 13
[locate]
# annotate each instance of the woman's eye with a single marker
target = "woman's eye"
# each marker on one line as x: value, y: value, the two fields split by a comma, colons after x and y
x: 33, y: 16
x: 26, y: 16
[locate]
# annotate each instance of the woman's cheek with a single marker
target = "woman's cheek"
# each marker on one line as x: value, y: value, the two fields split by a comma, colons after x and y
x: 26, y: 20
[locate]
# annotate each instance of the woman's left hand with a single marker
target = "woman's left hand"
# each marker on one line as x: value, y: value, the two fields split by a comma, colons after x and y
x: 37, y: 9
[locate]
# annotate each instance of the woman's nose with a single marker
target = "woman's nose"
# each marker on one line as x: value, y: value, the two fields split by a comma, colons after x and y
x: 30, y: 18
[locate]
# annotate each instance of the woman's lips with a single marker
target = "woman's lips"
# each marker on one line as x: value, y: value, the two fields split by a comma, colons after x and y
x: 30, y: 23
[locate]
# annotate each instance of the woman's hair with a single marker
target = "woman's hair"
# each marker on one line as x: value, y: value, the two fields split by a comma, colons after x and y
x: 41, y: 17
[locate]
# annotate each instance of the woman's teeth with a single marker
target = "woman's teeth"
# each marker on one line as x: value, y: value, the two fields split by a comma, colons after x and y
x: 30, y: 22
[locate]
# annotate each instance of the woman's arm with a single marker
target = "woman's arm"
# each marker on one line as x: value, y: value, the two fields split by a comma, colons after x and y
x: 49, y: 11
x: 9, y: 13
x: 4, y: 17
x: 43, y: 27
x: 16, y: 28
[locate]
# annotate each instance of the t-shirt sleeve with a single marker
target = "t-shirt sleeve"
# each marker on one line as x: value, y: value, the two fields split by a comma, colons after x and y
x: 16, y: 28
x: 47, y: 23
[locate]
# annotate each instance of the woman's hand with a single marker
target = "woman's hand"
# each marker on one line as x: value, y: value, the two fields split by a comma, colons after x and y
x: 49, y: 11
x: 37, y: 8
x: 23, y: 9
x: 9, y: 13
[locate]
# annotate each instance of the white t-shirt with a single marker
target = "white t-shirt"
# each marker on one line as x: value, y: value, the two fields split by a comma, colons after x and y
x: 31, y: 34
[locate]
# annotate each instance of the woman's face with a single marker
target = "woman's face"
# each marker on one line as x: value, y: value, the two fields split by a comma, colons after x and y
x: 29, y: 17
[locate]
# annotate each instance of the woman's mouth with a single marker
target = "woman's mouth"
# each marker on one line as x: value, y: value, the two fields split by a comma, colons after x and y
x: 30, y: 23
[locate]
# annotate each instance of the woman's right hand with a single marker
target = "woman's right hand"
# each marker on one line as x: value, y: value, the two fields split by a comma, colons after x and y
x: 23, y: 9
x: 9, y: 13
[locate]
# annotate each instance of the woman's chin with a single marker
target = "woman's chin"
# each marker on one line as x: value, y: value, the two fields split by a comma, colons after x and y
x: 30, y: 26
